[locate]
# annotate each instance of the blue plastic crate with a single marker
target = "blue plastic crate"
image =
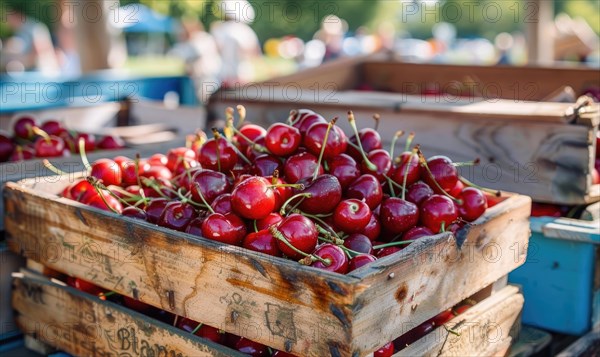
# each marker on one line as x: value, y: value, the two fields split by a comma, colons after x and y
x: 558, y: 276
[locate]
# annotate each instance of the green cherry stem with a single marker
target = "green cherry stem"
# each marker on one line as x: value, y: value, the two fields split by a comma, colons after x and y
x: 352, y: 122
x: 393, y: 244
x: 423, y: 163
x: 196, y: 329
x: 409, y: 141
x: 484, y: 189
x: 329, y: 127
x: 53, y: 168
x: 289, y: 200
x: 398, y: 134
x: 279, y: 236
x: 217, y: 136
x: 84, y: 159
x: 208, y: 207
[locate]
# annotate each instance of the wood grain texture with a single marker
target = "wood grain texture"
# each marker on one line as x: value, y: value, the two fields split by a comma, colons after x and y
x: 84, y: 325
x: 481, y: 330
x: 542, y: 156
x: 271, y: 300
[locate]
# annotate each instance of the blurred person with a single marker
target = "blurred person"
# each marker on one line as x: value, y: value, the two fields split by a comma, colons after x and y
x: 237, y: 42
x: 200, y: 54
x: 68, y: 56
x: 504, y: 43
x: 332, y: 33
x: 31, y: 46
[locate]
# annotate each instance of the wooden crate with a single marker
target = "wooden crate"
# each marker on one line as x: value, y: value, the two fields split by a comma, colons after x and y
x: 82, y: 324
x: 544, y: 150
x: 276, y: 302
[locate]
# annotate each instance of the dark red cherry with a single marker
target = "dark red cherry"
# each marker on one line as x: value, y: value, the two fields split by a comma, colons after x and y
x: 438, y: 211
x: 373, y: 228
x: 442, y: 318
x: 136, y: 305
x: 383, y: 252
x: 344, y: 168
x: 315, y: 137
x: 398, y: 215
x: 473, y: 204
x: 370, y: 140
x: 382, y: 161
x: 109, y: 203
x: 278, y: 353
x: 359, y: 243
x: 418, y: 192
x: 22, y: 153
x: 210, y: 184
x: 177, y: 215
x: 157, y: 172
x: 262, y: 241
x: 366, y: 187
x: 457, y: 189
x: 282, y: 139
x: 253, y: 198
x: 351, y: 215
x: 177, y: 155
x: 265, y: 165
x: 325, y: 194
x: 53, y: 146
x: 110, y: 142
x: 218, y: 154
x: 253, y: 151
x: 53, y: 127
x: 23, y: 128
x: 300, y: 166
x: 307, y: 121
x: 134, y: 212
x: 336, y: 259
x: 195, y: 226
x: 300, y: 232
x: 272, y: 219
x: 360, y: 261
x: 155, y: 208
x: 225, y: 228
x: 222, y: 204
x: 417, y: 232
x: 89, y: 141
x: 444, y: 173
x: 386, y: 351
x: 409, y: 166
x: 250, y: 131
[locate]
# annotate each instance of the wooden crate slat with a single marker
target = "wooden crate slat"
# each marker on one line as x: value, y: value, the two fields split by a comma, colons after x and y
x: 271, y: 300
x: 482, y: 328
x: 84, y: 325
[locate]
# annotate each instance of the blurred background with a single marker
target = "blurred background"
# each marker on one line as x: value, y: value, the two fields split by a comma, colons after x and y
x: 232, y: 42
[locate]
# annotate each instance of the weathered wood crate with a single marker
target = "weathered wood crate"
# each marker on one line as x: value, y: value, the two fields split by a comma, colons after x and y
x: 83, y: 325
x: 541, y: 149
x: 274, y: 301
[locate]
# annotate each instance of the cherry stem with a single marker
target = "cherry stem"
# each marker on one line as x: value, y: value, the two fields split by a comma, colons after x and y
x: 41, y: 133
x: 398, y: 134
x: 468, y: 163
x: 255, y: 146
x: 376, y: 118
x: 393, y: 244
x: 442, y: 227
x: 53, y: 168
x: 414, y: 152
x: 107, y: 294
x: 217, y: 149
x: 150, y: 183
x: 99, y: 185
x: 84, y: 159
x: 423, y: 163
x: 289, y: 200
x: 409, y: 141
x: 136, y: 162
x: 298, y: 186
x: 349, y: 252
x: 255, y: 226
x: 329, y: 127
x: 368, y: 162
x: 196, y: 329
x: 484, y: 189
x: 208, y: 207
x: 293, y: 113
x: 185, y: 199
x: 104, y: 199
x: 449, y: 330
x: 242, y: 113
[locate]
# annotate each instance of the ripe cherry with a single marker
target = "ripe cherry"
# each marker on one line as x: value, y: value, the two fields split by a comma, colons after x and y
x: 282, y: 139
x: 195, y: 226
x: 209, y: 184
x: 272, y: 219
x: 398, y: 215
x: 109, y: 203
x: 137, y: 305
x: 265, y: 165
x: 383, y: 252
x: 300, y: 232
x: 299, y: 166
x: 134, y: 212
x: 315, y: 137
x: 53, y: 127
x: 176, y: 215
x: 370, y: 140
x: 218, y: 154
x: 336, y: 259
x: 158, y: 160
x: 52, y: 146
x: 23, y: 128
x: 351, y: 215
x: 418, y: 192
x: 107, y: 171
x: 225, y: 228
x: 367, y: 188
x: 222, y: 204
x: 325, y: 194
x: 360, y: 261
x: 155, y: 208
x: 253, y: 198
x: 250, y: 131
x: 442, y: 172
x: 307, y: 120
x: 344, y: 168
x: 473, y: 204
x: 438, y: 211
x: 457, y: 189
x: 373, y: 228
x: 382, y: 161
x: 386, y: 351
x: 110, y: 142
x: 417, y: 232
x: 409, y: 166
x: 22, y: 153
x: 177, y: 155
x: 263, y: 242
x: 85, y: 286
x: 359, y: 243
x: 89, y: 141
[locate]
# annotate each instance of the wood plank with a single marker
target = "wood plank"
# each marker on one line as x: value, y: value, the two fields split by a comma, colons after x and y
x: 482, y: 328
x: 274, y: 301
x: 550, y: 162
x: 427, y: 278
x: 578, y: 347
x: 84, y: 325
